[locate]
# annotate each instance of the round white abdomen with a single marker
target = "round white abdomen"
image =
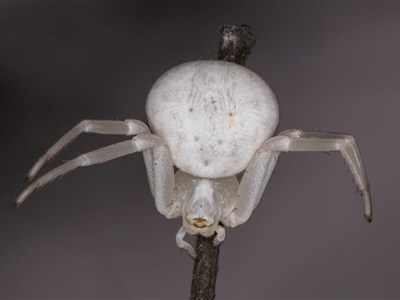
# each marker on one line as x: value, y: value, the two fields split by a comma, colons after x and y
x: 213, y: 115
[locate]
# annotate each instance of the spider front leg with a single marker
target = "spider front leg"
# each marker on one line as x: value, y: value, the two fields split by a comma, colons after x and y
x: 161, y: 177
x: 260, y: 168
x: 160, y: 174
x: 297, y: 140
x: 137, y: 144
x: 252, y: 185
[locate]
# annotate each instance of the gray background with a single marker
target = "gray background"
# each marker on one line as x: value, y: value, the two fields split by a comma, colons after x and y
x: 96, y: 233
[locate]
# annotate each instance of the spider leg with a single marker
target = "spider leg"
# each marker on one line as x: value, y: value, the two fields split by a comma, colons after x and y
x: 260, y: 168
x: 137, y: 144
x: 220, y: 237
x: 149, y: 164
x: 127, y: 127
x: 252, y: 186
x: 183, y: 244
x: 297, y: 140
x: 161, y: 178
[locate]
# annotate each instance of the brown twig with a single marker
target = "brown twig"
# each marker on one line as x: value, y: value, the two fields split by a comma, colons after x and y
x: 235, y: 44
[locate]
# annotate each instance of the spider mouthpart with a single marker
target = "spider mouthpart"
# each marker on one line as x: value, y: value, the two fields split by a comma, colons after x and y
x: 200, y: 222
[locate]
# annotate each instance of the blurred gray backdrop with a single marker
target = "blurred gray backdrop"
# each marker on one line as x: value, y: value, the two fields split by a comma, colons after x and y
x: 96, y: 233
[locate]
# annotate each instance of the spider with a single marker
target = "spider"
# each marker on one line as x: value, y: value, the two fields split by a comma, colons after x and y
x: 210, y: 149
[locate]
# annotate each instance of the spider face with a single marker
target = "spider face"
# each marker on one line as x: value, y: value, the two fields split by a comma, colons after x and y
x: 204, y: 202
x: 213, y: 115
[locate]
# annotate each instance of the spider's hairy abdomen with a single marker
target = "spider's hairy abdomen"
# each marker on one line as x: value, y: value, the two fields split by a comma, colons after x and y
x: 213, y: 115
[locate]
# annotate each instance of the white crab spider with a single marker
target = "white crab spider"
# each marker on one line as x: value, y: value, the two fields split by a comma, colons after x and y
x: 211, y: 120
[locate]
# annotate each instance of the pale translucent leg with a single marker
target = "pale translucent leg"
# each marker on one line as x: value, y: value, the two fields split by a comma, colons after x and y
x: 162, y: 180
x: 326, y: 141
x: 183, y: 244
x: 260, y: 168
x: 251, y: 188
x: 220, y: 237
x: 127, y: 127
x: 149, y: 164
x: 137, y: 144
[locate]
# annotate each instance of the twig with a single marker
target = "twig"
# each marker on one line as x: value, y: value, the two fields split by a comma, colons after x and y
x: 235, y: 44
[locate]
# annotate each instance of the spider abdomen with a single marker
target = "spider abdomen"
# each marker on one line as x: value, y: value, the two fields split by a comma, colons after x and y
x: 213, y: 115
